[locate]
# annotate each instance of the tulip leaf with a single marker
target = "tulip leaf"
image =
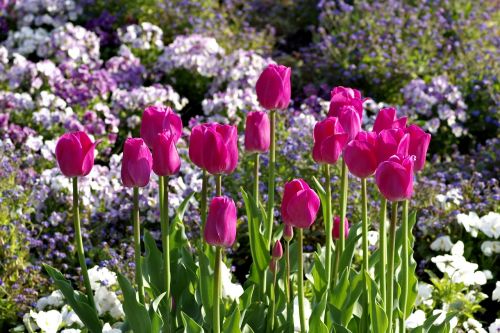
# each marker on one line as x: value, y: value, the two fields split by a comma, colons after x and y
x: 190, y: 325
x: 318, y: 275
x: 315, y: 321
x: 247, y: 329
x: 206, y: 279
x: 178, y: 238
x: 348, y: 253
x: 339, y: 291
x: 78, y: 302
x: 153, y: 264
x: 135, y: 312
x: 340, y: 329
x: 356, y: 288
x: 232, y: 322
x: 378, y: 317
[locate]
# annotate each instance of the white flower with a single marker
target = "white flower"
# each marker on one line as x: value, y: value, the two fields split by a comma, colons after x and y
x: 416, y: 319
x: 101, y: 276
x: 296, y: 318
x: 490, y: 225
x: 496, y: 293
x: 229, y: 289
x: 71, y: 330
x: 49, y: 321
x: 495, y: 326
x: 55, y: 300
x: 470, y: 222
x: 424, y: 294
x: 69, y: 317
x: 108, y: 329
x: 107, y: 302
x: 442, y: 243
x: 372, y: 238
x: 490, y: 247
x: 473, y: 326
x: 34, y: 142
x: 458, y: 249
x: 453, y: 321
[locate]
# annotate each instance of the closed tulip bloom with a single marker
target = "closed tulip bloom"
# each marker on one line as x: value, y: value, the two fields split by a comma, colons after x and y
x: 386, y: 119
x: 391, y: 142
x: 273, y: 266
x: 360, y: 155
x: 274, y: 88
x: 288, y: 232
x: 136, y: 163
x: 277, y: 250
x: 419, y: 143
x: 196, y: 143
x: 300, y: 204
x: 329, y: 140
x: 159, y: 119
x: 341, y: 97
x: 75, y: 154
x: 394, y: 178
x: 336, y: 228
x: 166, y: 161
x: 220, y: 228
x: 350, y: 120
x: 257, y: 132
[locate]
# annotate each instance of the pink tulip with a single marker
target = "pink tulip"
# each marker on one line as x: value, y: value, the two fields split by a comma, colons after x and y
x: 220, y: 228
x: 166, y: 161
x: 75, y: 154
x: 159, y: 119
x: 288, y: 232
x: 350, y: 120
x: 257, y: 132
x: 360, y: 155
x: 329, y: 140
x: 394, y: 178
x: 273, y: 87
x: 136, y: 163
x: 273, y: 266
x: 277, y: 250
x: 336, y: 228
x: 300, y: 204
x: 391, y: 142
x: 386, y: 119
x: 419, y: 143
x: 341, y: 97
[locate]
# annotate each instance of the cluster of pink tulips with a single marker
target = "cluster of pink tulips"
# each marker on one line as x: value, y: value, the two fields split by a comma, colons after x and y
x: 393, y: 152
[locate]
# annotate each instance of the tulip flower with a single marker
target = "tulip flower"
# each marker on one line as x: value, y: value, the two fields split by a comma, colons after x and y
x: 277, y: 250
x: 274, y: 88
x: 159, y: 119
x: 336, y: 228
x: 342, y: 97
x: 386, y: 119
x: 394, y: 178
x: 329, y: 140
x: 419, y: 143
x: 391, y: 142
x: 257, y: 132
x: 137, y: 163
x: 220, y: 229
x: 75, y: 154
x: 350, y: 120
x: 300, y: 204
x: 288, y: 232
x: 166, y: 161
x: 360, y: 155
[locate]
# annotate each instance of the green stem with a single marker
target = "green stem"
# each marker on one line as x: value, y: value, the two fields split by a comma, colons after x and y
x: 137, y: 246
x: 390, y: 270
x: 256, y: 179
x: 272, y: 308
x: 270, y: 195
x: 382, y: 248
x: 203, y: 203
x: 343, y: 207
x: 404, y: 265
x: 165, y: 232
x: 79, y: 243
x: 364, y: 215
x: 301, y: 282
x: 218, y: 185
x: 217, y: 289
x: 287, y: 268
x: 336, y: 260
x: 328, y: 232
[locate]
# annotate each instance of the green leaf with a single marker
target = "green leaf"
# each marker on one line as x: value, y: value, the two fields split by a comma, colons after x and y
x: 232, y: 322
x: 340, y: 329
x: 78, y: 302
x: 135, y: 312
x: 348, y: 253
x: 153, y: 264
x: 316, y: 324
x: 247, y: 329
x: 206, y: 278
x: 318, y: 274
x: 190, y: 326
x: 177, y: 237
x: 379, y: 320
x: 339, y: 293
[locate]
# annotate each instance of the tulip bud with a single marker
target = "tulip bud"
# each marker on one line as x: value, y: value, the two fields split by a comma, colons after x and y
x: 336, y: 228
x: 329, y: 141
x: 75, y: 154
x: 257, y: 132
x: 288, y: 232
x: 419, y: 143
x: 386, y: 119
x: 273, y: 87
x: 360, y: 156
x: 273, y: 266
x: 166, y: 161
x: 277, y: 250
x: 136, y: 163
x: 342, y: 97
x: 300, y: 204
x: 394, y: 178
x: 391, y: 142
x: 159, y: 119
x: 220, y: 228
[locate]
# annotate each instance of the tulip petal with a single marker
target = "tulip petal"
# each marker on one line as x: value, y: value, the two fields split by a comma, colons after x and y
x: 302, y: 208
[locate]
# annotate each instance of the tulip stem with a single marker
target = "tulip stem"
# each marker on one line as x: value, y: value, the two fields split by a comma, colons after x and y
x: 328, y: 232
x: 256, y: 179
x: 79, y: 243
x: 272, y: 308
x: 137, y: 246
x: 382, y: 248
x: 404, y: 265
x: 165, y: 232
x: 218, y: 185
x: 203, y: 203
x: 288, y: 287
x: 301, y: 282
x: 270, y: 194
x: 343, y: 207
x: 364, y: 216
x: 217, y: 289
x: 390, y: 270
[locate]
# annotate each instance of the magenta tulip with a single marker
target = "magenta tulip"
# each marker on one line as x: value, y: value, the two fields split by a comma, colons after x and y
x: 220, y: 228
x: 136, y: 163
x: 360, y: 155
x: 274, y: 88
x: 350, y: 120
x: 288, y: 232
x: 257, y: 132
x: 386, y: 119
x: 300, y: 204
x: 75, y: 154
x: 419, y: 143
x: 341, y: 97
x: 159, y: 119
x: 336, y: 228
x: 391, y: 142
x: 277, y: 250
x: 196, y: 144
x: 394, y: 178
x: 272, y: 266
x: 166, y: 161
x: 329, y: 140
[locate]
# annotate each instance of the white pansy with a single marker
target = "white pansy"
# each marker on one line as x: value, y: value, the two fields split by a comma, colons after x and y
x: 49, y: 321
x: 470, y: 222
x: 442, y: 243
x: 71, y: 330
x: 108, y: 329
x: 296, y: 318
x: 442, y: 316
x: 494, y: 327
x: 106, y: 301
x: 473, y: 326
x: 56, y: 299
x: 458, y: 249
x: 372, y: 238
x: 490, y: 247
x: 490, y: 225
x: 416, y: 319
x: 229, y: 289
x: 424, y: 294
x: 101, y: 276
x: 496, y: 293
x: 34, y: 142
x: 69, y: 317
